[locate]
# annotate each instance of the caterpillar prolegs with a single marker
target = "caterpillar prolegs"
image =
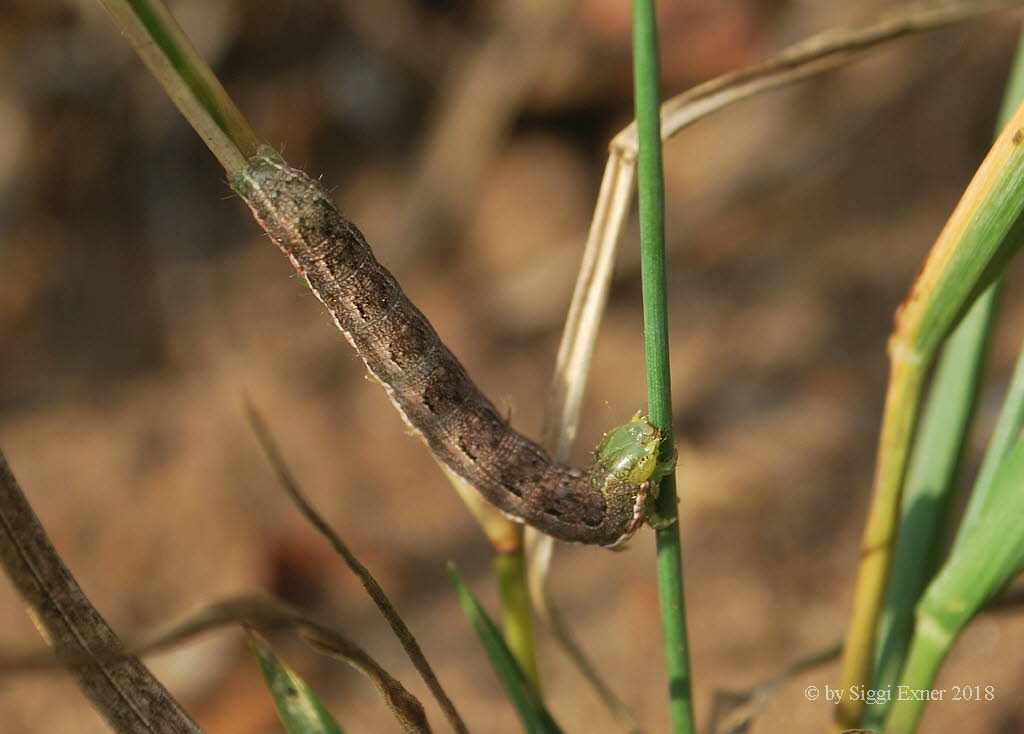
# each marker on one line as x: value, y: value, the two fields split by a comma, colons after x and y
x: 603, y: 505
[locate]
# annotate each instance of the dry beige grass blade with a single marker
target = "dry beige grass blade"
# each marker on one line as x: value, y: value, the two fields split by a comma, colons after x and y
x: 373, y: 589
x: 572, y: 365
x: 264, y: 614
x: 565, y: 403
x: 256, y: 613
x: 821, y: 52
x: 815, y: 55
x: 122, y: 689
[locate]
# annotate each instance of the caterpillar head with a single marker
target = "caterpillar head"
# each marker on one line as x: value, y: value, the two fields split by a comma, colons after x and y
x: 630, y: 451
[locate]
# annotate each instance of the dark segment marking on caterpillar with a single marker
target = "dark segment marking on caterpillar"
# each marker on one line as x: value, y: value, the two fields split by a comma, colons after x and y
x: 425, y: 381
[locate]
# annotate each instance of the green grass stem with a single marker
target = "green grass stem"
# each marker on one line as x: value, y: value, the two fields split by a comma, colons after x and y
x: 652, y: 253
x: 187, y: 78
x: 517, y: 614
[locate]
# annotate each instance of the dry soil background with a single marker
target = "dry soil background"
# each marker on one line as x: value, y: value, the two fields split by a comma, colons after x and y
x: 138, y: 299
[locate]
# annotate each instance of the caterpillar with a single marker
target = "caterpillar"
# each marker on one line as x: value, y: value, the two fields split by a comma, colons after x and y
x: 603, y: 505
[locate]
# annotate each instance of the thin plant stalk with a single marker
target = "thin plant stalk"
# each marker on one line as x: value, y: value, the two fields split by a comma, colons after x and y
x: 506, y: 539
x: 260, y: 613
x: 186, y: 77
x: 119, y: 686
x: 373, y: 589
x: 652, y: 252
x: 516, y: 612
x: 906, y: 379
x: 510, y: 572
x: 509, y: 565
x: 822, y: 51
x: 565, y: 405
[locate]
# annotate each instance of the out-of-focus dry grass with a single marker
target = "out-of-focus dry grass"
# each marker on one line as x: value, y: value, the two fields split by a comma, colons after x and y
x: 137, y: 300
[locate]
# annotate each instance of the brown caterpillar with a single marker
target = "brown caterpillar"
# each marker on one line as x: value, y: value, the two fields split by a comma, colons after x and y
x: 429, y: 386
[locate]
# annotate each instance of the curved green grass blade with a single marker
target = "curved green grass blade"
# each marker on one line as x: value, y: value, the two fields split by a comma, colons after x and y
x: 532, y: 712
x: 1008, y: 428
x: 936, y: 458
x: 985, y: 230
x: 988, y: 554
x: 298, y: 707
x: 927, y: 497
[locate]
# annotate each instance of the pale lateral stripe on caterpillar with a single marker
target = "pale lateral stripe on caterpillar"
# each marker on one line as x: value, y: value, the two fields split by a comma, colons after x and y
x: 429, y: 386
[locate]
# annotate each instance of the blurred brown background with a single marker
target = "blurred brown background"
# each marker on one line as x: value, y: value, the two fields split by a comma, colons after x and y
x: 138, y: 299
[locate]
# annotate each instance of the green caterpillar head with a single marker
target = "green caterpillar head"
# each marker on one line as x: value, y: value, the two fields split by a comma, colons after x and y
x: 630, y: 452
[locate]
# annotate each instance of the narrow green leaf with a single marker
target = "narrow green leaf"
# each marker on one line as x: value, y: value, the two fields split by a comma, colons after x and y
x: 1008, y: 427
x: 930, y: 481
x: 297, y: 705
x: 936, y: 457
x: 984, y: 231
x: 534, y: 715
x: 988, y: 554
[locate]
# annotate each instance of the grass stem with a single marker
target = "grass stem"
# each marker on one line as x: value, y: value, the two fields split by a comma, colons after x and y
x: 517, y: 615
x: 906, y: 380
x: 186, y: 77
x: 659, y: 396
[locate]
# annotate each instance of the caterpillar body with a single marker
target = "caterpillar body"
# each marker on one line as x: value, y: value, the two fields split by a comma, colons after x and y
x: 603, y: 505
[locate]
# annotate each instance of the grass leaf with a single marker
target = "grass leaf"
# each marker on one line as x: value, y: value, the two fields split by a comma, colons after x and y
x: 297, y: 705
x: 936, y: 457
x: 532, y: 711
x: 988, y: 554
x: 982, y: 234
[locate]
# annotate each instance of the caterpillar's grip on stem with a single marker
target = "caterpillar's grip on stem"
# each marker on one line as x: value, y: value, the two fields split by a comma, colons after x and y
x: 428, y: 385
